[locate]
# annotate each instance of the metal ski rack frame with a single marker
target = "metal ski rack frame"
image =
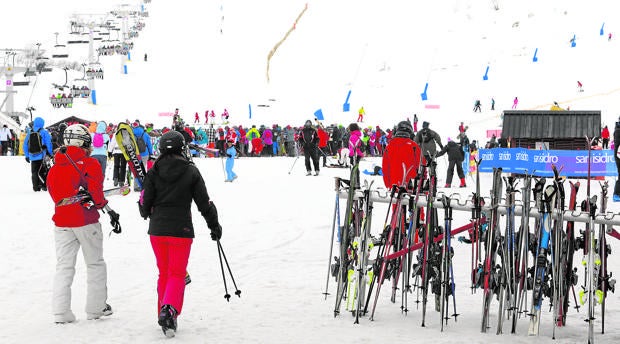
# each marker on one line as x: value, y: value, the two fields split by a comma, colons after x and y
x: 382, y: 196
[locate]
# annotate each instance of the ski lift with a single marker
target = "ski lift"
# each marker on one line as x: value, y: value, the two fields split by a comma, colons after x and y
x: 60, y: 98
x: 80, y: 87
x: 76, y: 31
x: 60, y: 50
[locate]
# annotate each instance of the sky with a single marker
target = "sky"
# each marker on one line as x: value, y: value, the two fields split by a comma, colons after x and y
x: 277, y: 226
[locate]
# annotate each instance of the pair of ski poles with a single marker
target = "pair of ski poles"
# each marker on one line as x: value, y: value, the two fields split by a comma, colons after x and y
x: 220, y: 252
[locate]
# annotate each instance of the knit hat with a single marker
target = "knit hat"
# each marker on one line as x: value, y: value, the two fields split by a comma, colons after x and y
x: 425, y: 125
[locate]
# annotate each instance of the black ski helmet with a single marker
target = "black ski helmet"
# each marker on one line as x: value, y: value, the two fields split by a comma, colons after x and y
x: 405, y: 128
x: 171, y: 142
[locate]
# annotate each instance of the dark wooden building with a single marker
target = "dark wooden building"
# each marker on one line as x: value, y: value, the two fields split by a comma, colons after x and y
x: 553, y: 129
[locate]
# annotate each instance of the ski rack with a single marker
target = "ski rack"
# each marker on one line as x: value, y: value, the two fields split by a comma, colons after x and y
x: 382, y: 196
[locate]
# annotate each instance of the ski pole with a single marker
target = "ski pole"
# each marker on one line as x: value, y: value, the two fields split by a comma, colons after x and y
x: 331, y: 243
x: 237, y: 291
x: 219, y: 252
x: 291, y: 170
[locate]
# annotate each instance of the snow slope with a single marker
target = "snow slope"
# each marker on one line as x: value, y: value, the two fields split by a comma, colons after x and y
x: 277, y: 229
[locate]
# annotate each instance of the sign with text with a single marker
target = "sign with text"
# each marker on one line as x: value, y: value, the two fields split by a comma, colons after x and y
x: 573, y: 163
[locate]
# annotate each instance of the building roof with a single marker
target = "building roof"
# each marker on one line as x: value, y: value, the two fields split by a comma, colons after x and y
x: 551, y: 124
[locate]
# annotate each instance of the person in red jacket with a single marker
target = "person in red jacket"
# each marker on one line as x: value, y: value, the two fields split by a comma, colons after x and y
x: 77, y: 225
x: 605, y: 137
x: 323, y: 138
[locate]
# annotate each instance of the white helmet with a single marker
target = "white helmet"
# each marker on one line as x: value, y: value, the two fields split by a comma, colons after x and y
x: 77, y: 135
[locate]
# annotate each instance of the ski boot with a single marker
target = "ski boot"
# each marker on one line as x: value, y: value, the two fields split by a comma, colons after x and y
x: 168, y: 320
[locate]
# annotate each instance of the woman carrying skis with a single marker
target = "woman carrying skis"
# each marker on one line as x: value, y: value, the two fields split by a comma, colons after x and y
x: 169, y: 188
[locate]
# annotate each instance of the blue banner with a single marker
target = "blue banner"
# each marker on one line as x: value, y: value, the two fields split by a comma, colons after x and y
x: 573, y: 163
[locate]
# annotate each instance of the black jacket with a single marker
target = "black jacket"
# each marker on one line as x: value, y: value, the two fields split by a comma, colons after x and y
x: 309, y: 137
x: 169, y: 188
x: 454, y: 151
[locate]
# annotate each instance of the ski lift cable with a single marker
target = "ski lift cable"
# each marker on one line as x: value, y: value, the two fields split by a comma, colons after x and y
x: 359, y: 64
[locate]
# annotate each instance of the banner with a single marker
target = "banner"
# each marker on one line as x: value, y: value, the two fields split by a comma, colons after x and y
x: 573, y: 163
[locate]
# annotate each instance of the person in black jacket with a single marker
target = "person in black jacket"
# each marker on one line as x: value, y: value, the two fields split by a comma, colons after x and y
x: 169, y: 188
x: 309, y: 139
x: 455, y: 157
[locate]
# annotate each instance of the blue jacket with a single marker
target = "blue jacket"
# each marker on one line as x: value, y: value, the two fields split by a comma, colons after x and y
x: 46, y: 140
x: 138, y: 133
x: 101, y: 128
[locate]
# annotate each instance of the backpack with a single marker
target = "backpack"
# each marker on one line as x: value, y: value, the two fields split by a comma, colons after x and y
x: 35, y: 145
x: 141, y: 144
x: 98, y: 140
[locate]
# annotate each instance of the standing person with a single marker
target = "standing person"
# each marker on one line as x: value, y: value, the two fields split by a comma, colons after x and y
x: 428, y: 140
x: 455, y: 157
x: 119, y: 169
x: 323, y: 139
x: 231, y: 152
x: 100, y: 145
x: 169, y: 189
x: 268, y: 141
x: 355, y: 143
x: 605, y: 137
x: 5, y: 139
x: 206, y: 117
x: 196, y: 118
x: 415, y: 123
x: 38, y: 144
x: 360, y: 114
x: 146, y: 57
x: 579, y: 86
x: 477, y: 106
x: 616, y: 196
x: 515, y: 102
x: 77, y: 225
x: 492, y: 103
x: 309, y: 139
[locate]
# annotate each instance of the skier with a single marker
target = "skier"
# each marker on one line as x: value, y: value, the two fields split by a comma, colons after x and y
x: 492, y: 103
x: 309, y: 139
x: 605, y: 137
x: 579, y: 86
x: 36, y: 150
x: 428, y: 140
x: 477, y: 105
x: 77, y: 225
x: 515, y: 102
x: 360, y: 115
x: 196, y: 118
x: 355, y: 144
x: 617, y: 159
x: 146, y: 57
x: 169, y: 188
x: 455, y: 157
x: 206, y: 117
x: 231, y: 152
x: 415, y: 123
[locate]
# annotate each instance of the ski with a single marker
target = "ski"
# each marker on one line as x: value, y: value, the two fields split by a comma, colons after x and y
x: 123, y: 191
x: 489, y: 282
x: 127, y: 144
x: 541, y: 271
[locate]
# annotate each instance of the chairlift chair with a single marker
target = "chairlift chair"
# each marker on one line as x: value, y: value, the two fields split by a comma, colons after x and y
x: 60, y: 50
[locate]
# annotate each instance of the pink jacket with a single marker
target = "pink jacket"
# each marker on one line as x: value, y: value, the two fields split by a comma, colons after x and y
x: 355, y: 144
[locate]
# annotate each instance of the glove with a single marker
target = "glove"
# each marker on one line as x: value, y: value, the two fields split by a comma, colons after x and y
x: 27, y: 160
x: 116, y: 226
x: 87, y: 200
x: 216, y: 233
x: 109, y: 155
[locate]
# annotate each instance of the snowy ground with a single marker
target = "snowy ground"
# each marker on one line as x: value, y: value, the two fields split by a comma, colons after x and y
x: 277, y: 229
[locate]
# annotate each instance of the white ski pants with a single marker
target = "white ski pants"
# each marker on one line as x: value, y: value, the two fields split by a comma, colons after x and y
x: 68, y: 242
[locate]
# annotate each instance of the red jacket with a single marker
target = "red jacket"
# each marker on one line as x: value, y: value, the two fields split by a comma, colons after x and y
x: 63, y: 180
x: 323, y: 137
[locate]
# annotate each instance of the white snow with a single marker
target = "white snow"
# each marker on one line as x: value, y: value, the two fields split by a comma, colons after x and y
x: 277, y: 226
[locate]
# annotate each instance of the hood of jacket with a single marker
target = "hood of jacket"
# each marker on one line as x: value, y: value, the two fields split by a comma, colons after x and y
x: 38, y: 123
x: 101, y: 127
x: 170, y: 167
